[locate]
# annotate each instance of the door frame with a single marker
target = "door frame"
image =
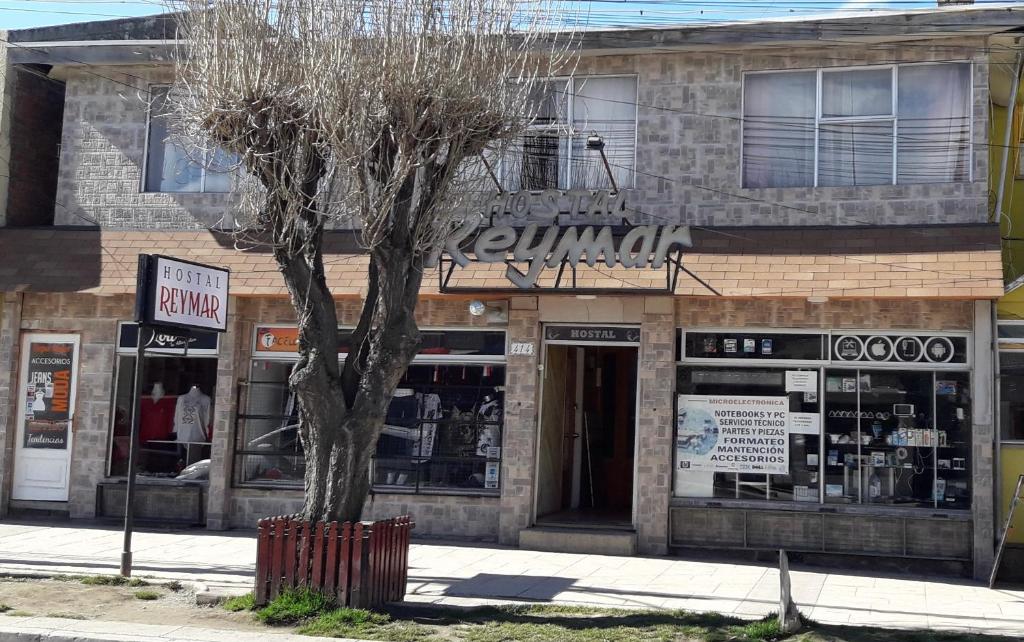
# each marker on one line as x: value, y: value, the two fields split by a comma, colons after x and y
x: 540, y: 403
x: 27, y: 338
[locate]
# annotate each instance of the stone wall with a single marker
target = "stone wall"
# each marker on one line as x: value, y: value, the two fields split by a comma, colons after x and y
x: 689, y: 139
x: 103, y: 149
x: 866, y: 314
x: 10, y: 347
x: 94, y: 319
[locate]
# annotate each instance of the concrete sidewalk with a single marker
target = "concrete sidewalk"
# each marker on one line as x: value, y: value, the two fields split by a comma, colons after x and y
x: 458, y: 574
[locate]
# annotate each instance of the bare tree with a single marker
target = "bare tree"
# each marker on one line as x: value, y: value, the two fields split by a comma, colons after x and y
x: 362, y: 114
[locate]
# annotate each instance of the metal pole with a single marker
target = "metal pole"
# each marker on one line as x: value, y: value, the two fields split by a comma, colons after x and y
x: 133, y: 447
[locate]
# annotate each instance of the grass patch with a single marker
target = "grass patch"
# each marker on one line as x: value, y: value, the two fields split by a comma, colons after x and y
x: 765, y: 629
x: 147, y: 595
x: 67, y: 578
x: 294, y: 606
x: 19, y: 613
x: 357, y: 623
x: 556, y: 623
x: 4, y: 608
x: 237, y: 603
x: 112, y: 580
x: 174, y: 585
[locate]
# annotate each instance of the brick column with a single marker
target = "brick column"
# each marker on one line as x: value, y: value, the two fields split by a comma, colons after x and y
x: 656, y: 388
x: 10, y: 344
x: 983, y: 437
x: 519, y: 443
x: 231, y: 364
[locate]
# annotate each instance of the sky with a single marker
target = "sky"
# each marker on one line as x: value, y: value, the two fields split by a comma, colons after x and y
x: 19, y: 14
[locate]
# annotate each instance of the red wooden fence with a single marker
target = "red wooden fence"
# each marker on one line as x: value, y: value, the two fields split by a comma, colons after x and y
x: 363, y: 565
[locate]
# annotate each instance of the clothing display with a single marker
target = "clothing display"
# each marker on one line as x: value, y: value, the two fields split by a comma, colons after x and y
x: 428, y: 411
x: 156, y: 418
x: 192, y: 416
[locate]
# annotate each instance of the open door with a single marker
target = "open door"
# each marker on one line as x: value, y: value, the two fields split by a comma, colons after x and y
x: 46, y: 406
x: 587, y: 436
x: 558, y: 401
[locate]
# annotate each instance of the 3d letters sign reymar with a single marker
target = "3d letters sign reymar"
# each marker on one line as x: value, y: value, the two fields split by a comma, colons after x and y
x: 181, y: 294
x: 642, y: 246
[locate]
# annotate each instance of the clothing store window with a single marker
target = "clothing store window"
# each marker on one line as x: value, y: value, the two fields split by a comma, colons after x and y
x: 442, y: 431
x: 176, y: 406
x: 778, y: 416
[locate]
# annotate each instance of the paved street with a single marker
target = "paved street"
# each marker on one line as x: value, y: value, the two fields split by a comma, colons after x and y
x: 461, y: 574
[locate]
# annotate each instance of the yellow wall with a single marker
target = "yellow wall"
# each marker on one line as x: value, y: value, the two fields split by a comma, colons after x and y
x: 1012, y: 465
x: 1013, y: 203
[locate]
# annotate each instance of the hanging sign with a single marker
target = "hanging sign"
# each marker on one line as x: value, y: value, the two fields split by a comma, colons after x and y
x: 48, y: 390
x: 733, y: 434
x: 199, y: 343
x: 591, y: 334
x: 181, y: 294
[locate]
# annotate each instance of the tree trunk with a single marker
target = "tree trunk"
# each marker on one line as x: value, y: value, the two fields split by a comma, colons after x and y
x: 342, y: 410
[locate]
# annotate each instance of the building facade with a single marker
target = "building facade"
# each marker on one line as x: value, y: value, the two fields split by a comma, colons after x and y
x: 805, y: 363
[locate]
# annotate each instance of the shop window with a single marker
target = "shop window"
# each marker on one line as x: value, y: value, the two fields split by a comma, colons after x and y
x: 443, y: 428
x: 1011, y: 393
x: 553, y: 154
x: 175, y: 420
x: 171, y: 167
x: 891, y: 437
x: 897, y: 438
x: 867, y: 126
x: 799, y: 481
x: 442, y: 432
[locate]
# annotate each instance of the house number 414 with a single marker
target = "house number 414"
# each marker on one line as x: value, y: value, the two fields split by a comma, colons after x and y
x: 523, y: 348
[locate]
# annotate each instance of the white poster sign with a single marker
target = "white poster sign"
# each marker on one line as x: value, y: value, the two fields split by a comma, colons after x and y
x: 733, y: 434
x: 186, y: 294
x: 804, y: 423
x: 801, y: 381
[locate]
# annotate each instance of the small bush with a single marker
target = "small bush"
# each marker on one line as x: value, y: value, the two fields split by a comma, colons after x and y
x: 245, y: 602
x: 147, y: 595
x: 293, y: 606
x: 765, y: 629
x: 4, y: 608
x: 174, y: 585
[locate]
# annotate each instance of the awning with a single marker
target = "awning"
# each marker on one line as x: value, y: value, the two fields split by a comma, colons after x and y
x: 938, y: 261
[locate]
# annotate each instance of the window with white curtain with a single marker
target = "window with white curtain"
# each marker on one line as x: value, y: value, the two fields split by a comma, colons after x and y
x: 553, y: 154
x: 865, y: 126
x: 172, y: 168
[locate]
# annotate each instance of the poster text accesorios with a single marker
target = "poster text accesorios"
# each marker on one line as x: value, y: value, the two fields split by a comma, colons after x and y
x: 48, y: 406
x: 732, y: 434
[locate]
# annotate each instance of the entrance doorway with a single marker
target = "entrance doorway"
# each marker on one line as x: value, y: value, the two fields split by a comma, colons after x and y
x: 587, y: 436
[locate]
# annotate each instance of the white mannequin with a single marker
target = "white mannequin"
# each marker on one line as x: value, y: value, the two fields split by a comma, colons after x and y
x: 158, y: 391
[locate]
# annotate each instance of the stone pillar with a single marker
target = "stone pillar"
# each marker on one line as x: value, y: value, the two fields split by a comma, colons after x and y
x: 519, y: 443
x: 656, y: 389
x: 231, y: 363
x: 10, y: 344
x: 92, y: 421
x: 982, y: 462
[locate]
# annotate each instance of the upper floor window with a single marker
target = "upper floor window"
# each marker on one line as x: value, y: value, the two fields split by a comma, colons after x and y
x: 866, y: 126
x: 553, y: 154
x: 170, y: 167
